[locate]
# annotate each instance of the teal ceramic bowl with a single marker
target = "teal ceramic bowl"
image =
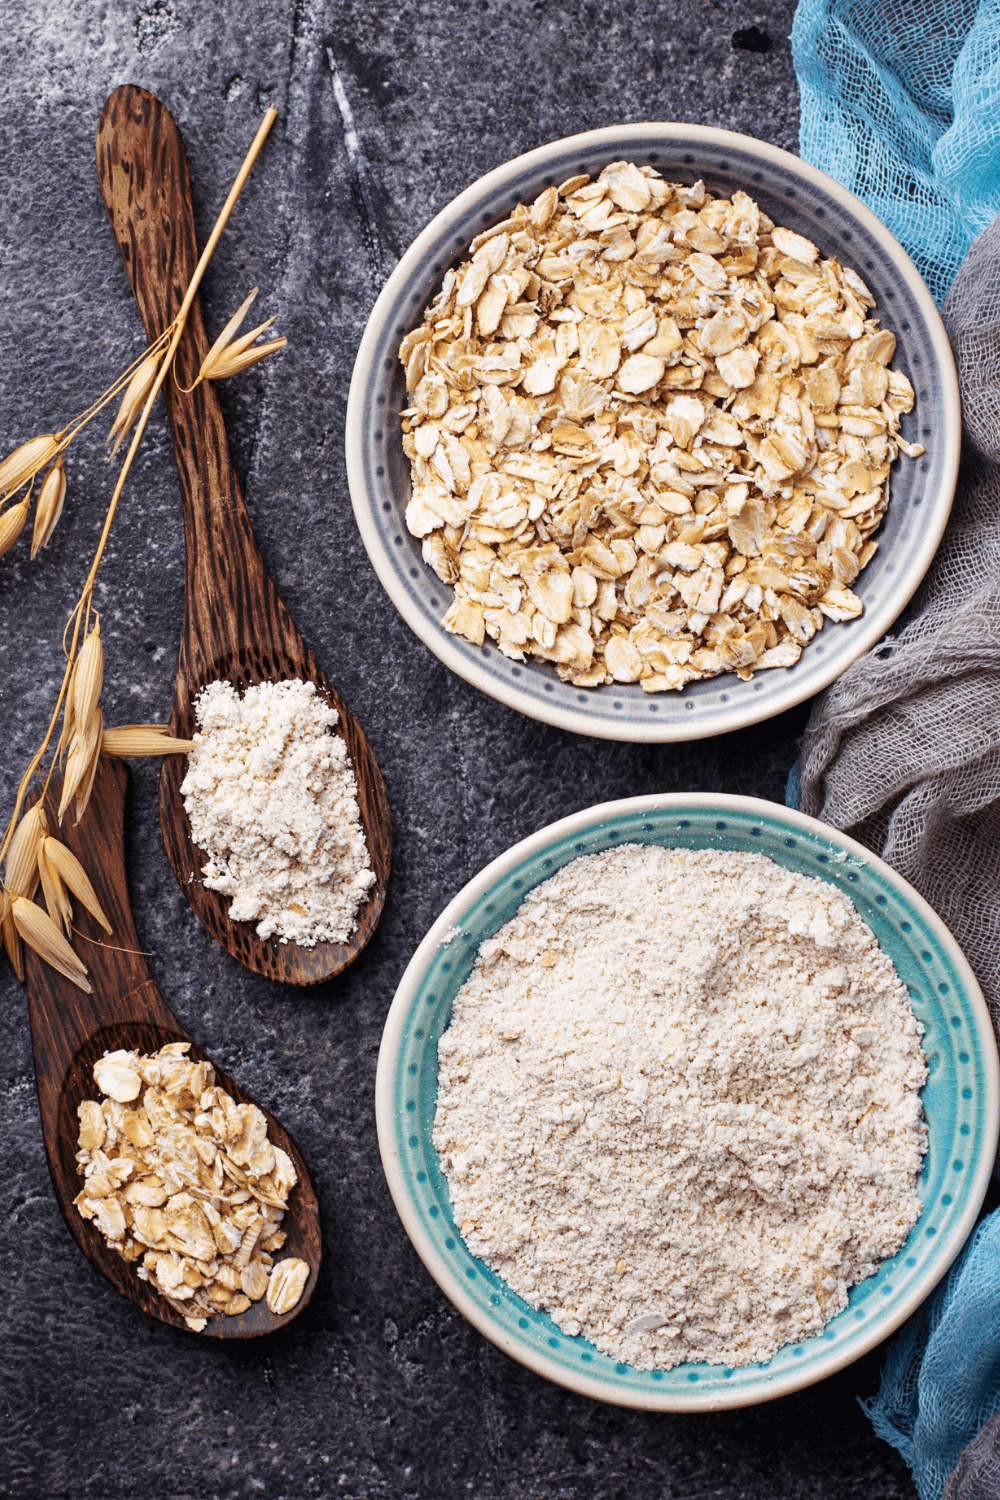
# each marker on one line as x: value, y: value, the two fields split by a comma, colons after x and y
x: 961, y: 1098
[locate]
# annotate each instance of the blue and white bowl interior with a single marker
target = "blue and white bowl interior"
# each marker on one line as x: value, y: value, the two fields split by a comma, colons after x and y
x: 960, y: 1099
x: 793, y: 194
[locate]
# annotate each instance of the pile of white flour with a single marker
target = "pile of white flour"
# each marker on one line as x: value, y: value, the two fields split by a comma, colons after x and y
x: 273, y: 802
x: 678, y: 1104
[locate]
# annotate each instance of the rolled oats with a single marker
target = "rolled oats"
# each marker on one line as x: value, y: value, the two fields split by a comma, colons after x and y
x: 650, y: 434
x: 187, y: 1180
x: 285, y: 1288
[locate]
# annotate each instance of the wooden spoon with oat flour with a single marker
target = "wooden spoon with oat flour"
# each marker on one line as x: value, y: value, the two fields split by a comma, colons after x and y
x: 235, y: 624
x: 70, y: 1030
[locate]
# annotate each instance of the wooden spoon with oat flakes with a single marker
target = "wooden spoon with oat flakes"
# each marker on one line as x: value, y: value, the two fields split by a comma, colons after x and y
x: 235, y: 624
x: 70, y: 1030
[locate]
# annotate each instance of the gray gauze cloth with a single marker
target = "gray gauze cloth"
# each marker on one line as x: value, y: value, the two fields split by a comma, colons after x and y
x: 977, y: 1476
x: 903, y: 751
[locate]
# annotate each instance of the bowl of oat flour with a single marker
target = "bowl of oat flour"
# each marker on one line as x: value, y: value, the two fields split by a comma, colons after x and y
x: 687, y: 1101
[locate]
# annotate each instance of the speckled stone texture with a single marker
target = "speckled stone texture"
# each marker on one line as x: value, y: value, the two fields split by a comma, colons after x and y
x: 380, y: 1389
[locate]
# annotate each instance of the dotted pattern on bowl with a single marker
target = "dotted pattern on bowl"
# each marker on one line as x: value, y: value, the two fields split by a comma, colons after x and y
x: 961, y: 1127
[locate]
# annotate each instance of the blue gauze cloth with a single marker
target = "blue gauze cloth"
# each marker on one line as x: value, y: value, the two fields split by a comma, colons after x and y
x: 901, y: 103
x: 941, y: 1381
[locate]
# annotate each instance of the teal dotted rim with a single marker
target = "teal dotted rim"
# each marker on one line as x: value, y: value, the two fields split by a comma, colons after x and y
x: 961, y: 1098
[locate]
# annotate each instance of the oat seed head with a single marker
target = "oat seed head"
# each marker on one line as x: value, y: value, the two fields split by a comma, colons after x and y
x: 11, y: 941
x: 12, y: 523
x: 26, y: 461
x: 21, y: 865
x: 78, y: 761
x: 233, y: 361
x: 134, y: 399
x: 133, y: 741
x: 229, y: 356
x: 88, y: 678
x: 237, y: 347
x: 227, y: 333
x: 87, y: 781
x: 57, y: 901
x: 49, y: 506
x: 74, y: 877
x: 40, y: 933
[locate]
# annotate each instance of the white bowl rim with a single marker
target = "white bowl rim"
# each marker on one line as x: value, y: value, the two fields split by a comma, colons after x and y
x: 864, y: 632
x: 395, y: 1173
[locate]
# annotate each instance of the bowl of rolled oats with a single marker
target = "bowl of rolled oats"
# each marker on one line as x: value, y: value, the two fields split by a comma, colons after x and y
x: 687, y: 1101
x: 652, y: 432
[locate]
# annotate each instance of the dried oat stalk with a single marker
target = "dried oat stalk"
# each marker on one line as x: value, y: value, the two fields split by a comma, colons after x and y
x: 28, y: 854
x: 650, y: 434
x: 179, y: 1176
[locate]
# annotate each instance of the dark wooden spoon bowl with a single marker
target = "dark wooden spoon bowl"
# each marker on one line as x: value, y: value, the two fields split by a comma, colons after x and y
x: 70, y: 1030
x: 235, y: 624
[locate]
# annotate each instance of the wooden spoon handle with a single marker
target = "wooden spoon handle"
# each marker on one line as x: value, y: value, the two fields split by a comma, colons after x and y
x: 236, y: 627
x: 143, y: 172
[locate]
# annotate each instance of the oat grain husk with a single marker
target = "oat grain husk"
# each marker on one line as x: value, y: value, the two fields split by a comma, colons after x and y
x: 74, y: 877
x: 134, y: 741
x: 40, y: 933
x: 11, y: 941
x: 26, y: 461
x: 12, y: 523
x: 57, y: 902
x: 136, y: 394
x: 79, y: 761
x: 88, y: 678
x: 87, y: 783
x: 21, y: 864
x: 49, y: 506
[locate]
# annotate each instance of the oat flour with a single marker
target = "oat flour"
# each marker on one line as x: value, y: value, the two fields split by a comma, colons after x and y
x: 273, y: 802
x: 678, y: 1104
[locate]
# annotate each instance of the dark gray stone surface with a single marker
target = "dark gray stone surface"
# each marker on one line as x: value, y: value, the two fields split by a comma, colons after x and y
x: 380, y: 1389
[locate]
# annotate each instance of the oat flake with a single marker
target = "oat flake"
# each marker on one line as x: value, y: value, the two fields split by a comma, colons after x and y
x: 678, y: 1104
x: 273, y: 802
x: 650, y: 434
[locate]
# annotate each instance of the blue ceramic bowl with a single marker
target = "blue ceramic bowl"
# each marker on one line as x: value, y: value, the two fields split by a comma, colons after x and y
x: 792, y: 193
x: 961, y: 1098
